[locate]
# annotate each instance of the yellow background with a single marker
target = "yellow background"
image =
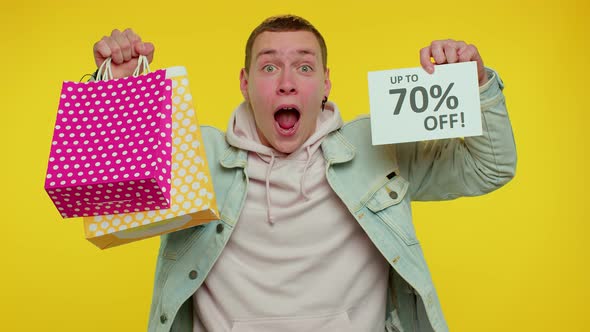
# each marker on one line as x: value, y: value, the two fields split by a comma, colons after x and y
x: 514, y: 260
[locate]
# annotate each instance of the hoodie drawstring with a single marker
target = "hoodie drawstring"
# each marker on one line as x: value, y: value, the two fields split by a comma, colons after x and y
x: 272, y: 161
x: 302, y: 187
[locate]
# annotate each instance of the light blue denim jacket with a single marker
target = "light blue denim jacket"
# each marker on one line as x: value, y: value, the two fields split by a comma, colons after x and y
x: 376, y: 183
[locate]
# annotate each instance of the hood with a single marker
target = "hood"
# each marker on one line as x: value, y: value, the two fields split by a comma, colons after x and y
x: 242, y: 134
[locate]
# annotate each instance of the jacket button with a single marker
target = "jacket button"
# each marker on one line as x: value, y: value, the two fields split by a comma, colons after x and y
x: 163, y: 318
x: 193, y: 275
x: 219, y: 228
x: 393, y: 194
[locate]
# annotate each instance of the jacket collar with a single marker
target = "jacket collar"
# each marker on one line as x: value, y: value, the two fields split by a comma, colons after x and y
x: 337, y: 149
x: 234, y: 157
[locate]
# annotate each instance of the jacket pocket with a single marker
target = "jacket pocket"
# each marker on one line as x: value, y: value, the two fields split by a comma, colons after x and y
x: 391, y: 204
x: 331, y: 322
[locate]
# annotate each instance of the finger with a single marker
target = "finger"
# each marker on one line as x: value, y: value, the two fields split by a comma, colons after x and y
x: 149, y: 50
x: 450, y: 50
x: 116, y: 53
x: 467, y: 53
x: 425, y: 61
x: 470, y: 53
x: 436, y: 48
x: 481, y: 70
x: 133, y: 39
x: 101, y: 51
x: 146, y: 49
x: 461, y: 45
x: 124, y: 44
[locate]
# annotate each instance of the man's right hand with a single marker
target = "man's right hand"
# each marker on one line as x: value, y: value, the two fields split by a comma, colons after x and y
x: 124, y: 48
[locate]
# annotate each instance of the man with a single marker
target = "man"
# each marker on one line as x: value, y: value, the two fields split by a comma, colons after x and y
x: 320, y: 221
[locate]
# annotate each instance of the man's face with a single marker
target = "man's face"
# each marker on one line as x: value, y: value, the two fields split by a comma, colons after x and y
x: 285, y: 86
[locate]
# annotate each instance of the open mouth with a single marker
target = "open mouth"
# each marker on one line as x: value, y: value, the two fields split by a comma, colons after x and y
x: 287, y: 118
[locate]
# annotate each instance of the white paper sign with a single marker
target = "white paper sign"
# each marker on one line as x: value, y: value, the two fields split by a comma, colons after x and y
x: 410, y: 105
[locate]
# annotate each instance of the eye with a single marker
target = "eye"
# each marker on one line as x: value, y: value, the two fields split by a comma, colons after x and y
x: 306, y: 68
x: 269, y: 68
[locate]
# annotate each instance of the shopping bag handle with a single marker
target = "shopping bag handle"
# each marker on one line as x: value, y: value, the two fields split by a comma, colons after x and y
x: 105, y: 72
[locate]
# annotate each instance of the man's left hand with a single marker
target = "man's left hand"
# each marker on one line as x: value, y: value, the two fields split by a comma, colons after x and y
x: 452, y: 51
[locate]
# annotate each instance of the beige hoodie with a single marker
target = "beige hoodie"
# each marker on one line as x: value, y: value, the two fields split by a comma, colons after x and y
x: 297, y: 260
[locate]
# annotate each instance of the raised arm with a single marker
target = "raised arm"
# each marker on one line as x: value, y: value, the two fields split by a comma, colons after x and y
x: 449, y: 168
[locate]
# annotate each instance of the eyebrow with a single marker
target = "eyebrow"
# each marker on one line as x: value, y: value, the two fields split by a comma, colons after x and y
x: 270, y: 51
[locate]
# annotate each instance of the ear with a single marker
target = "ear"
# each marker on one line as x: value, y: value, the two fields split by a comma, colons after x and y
x: 327, y: 83
x: 244, y: 83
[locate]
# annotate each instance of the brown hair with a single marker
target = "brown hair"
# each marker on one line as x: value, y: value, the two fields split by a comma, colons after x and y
x: 281, y: 24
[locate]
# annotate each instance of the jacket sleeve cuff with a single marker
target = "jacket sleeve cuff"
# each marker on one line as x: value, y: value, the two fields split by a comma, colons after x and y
x: 492, y: 89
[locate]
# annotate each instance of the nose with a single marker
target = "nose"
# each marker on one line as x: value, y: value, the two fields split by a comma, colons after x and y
x: 286, y: 84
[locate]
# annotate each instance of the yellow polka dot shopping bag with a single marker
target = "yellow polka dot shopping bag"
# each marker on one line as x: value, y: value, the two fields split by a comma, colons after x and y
x: 192, y: 198
x: 111, y: 146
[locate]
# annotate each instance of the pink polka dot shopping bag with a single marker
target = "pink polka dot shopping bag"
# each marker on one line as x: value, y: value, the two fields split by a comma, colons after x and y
x: 111, y: 147
x: 127, y: 155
